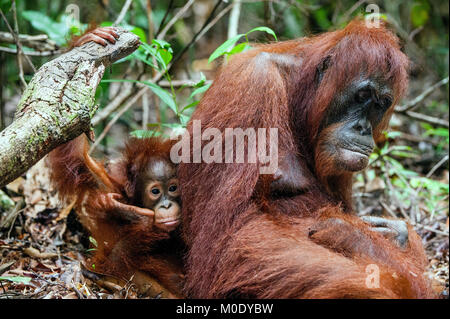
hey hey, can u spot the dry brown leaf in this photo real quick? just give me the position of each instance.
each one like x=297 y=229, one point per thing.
x=36 y=197
x=33 y=252
x=202 y=65
x=16 y=185
x=376 y=184
x=63 y=213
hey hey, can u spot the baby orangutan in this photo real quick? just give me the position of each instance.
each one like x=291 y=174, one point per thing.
x=131 y=208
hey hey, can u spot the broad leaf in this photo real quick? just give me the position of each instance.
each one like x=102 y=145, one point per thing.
x=224 y=47
x=264 y=29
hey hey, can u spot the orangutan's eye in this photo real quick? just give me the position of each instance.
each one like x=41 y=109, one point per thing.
x=363 y=95
x=385 y=102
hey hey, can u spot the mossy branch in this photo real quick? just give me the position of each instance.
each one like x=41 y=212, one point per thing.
x=58 y=104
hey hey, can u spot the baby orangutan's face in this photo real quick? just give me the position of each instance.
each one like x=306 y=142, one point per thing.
x=161 y=194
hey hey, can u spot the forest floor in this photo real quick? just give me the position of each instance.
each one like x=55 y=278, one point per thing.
x=43 y=246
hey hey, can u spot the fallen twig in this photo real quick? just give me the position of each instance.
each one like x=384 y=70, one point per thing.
x=435 y=167
x=427 y=118
x=33 y=252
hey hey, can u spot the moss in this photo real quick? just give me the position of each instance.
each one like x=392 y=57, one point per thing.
x=54 y=117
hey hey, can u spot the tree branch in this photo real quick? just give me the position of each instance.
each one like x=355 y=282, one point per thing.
x=409 y=106
x=58 y=104
x=39 y=42
x=177 y=16
x=31 y=53
x=123 y=12
x=426 y=118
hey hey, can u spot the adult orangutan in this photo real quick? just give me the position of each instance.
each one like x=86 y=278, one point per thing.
x=292 y=234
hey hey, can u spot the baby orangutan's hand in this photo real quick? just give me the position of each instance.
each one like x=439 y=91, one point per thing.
x=111 y=202
x=100 y=35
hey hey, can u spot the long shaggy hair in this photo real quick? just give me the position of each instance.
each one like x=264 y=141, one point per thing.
x=244 y=244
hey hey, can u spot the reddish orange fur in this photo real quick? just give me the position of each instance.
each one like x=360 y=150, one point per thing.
x=123 y=248
x=74 y=39
x=242 y=243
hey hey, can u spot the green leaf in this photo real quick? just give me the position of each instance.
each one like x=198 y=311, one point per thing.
x=200 y=90
x=162 y=44
x=438 y=132
x=264 y=29
x=93 y=241
x=56 y=31
x=419 y=14
x=5 y=5
x=402 y=148
x=193 y=104
x=201 y=82
x=5 y=202
x=404 y=154
x=145 y=133
x=240 y=48
x=107 y=24
x=321 y=17
x=152 y=51
x=140 y=33
x=163 y=95
x=171 y=125
x=184 y=119
x=127 y=58
x=166 y=56
x=141 y=55
x=393 y=134
x=18 y=279
x=224 y=47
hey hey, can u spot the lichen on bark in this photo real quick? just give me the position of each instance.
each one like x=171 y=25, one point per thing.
x=58 y=104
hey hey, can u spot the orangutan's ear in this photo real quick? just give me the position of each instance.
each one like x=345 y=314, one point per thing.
x=322 y=68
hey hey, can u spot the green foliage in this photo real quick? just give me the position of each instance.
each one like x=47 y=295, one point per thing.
x=146 y=133
x=321 y=17
x=409 y=187
x=228 y=48
x=6 y=203
x=17 y=279
x=57 y=31
x=158 y=56
x=5 y=5
x=93 y=242
x=420 y=13
x=159 y=50
x=136 y=30
x=440 y=132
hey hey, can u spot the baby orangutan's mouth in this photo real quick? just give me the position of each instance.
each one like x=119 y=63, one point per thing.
x=168 y=224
